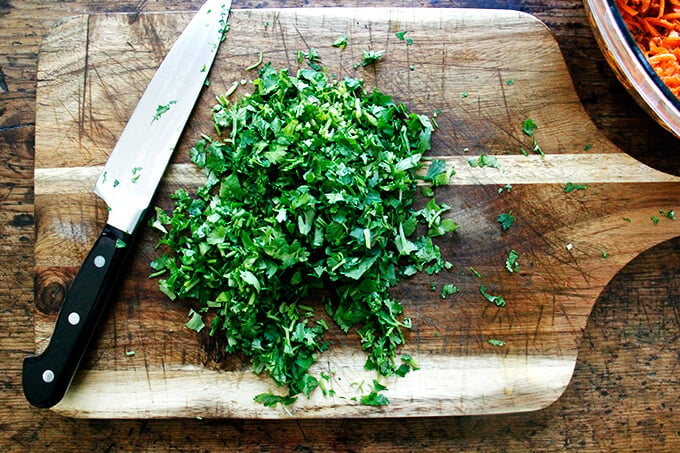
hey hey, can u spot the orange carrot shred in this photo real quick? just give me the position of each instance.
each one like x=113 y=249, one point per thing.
x=655 y=25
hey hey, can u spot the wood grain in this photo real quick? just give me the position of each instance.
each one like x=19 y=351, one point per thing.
x=560 y=236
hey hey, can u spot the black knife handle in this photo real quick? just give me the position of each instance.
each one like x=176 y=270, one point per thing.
x=47 y=377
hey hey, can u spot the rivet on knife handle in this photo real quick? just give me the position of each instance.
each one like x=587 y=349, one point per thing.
x=47 y=377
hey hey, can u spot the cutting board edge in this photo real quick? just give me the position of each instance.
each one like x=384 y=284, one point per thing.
x=163 y=396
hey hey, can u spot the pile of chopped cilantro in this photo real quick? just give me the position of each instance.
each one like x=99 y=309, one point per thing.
x=310 y=195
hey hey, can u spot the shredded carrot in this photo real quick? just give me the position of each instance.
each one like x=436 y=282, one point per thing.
x=655 y=25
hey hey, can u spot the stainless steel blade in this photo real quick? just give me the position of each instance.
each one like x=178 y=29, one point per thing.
x=137 y=162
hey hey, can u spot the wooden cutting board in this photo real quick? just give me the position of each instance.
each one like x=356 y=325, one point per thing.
x=485 y=72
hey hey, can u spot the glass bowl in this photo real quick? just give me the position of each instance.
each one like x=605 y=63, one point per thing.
x=631 y=66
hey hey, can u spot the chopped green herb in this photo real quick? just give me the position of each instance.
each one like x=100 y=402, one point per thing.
x=670 y=214
x=341 y=41
x=195 y=323
x=438 y=174
x=497 y=300
x=587 y=147
x=626 y=219
x=374 y=398
x=655 y=219
x=311 y=183
x=271 y=400
x=464 y=94
x=510 y=82
x=537 y=149
x=257 y=63
x=570 y=187
x=474 y=272
x=312 y=56
x=507 y=188
x=266 y=24
x=408 y=360
x=484 y=161
x=130 y=353
x=136 y=173
x=120 y=244
x=369 y=57
x=528 y=127
x=409 y=41
x=506 y=220
x=511 y=263
x=494 y=342
x=411 y=67
x=400 y=35
x=448 y=290
x=604 y=254
x=162 y=109
x=115 y=183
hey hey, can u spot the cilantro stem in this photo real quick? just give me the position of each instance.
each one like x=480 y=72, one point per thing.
x=257 y=63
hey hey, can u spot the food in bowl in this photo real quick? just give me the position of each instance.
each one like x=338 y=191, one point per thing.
x=629 y=59
x=655 y=26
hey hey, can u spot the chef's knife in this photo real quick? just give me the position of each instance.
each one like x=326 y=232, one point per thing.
x=127 y=184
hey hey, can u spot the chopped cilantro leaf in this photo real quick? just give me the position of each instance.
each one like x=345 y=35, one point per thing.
x=494 y=342
x=341 y=41
x=507 y=188
x=528 y=127
x=400 y=35
x=484 y=161
x=448 y=289
x=570 y=187
x=370 y=56
x=670 y=214
x=506 y=220
x=374 y=399
x=511 y=263
x=162 y=109
x=497 y=300
x=271 y=400
x=196 y=322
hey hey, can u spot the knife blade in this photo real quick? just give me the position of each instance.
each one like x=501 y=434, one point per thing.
x=127 y=184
